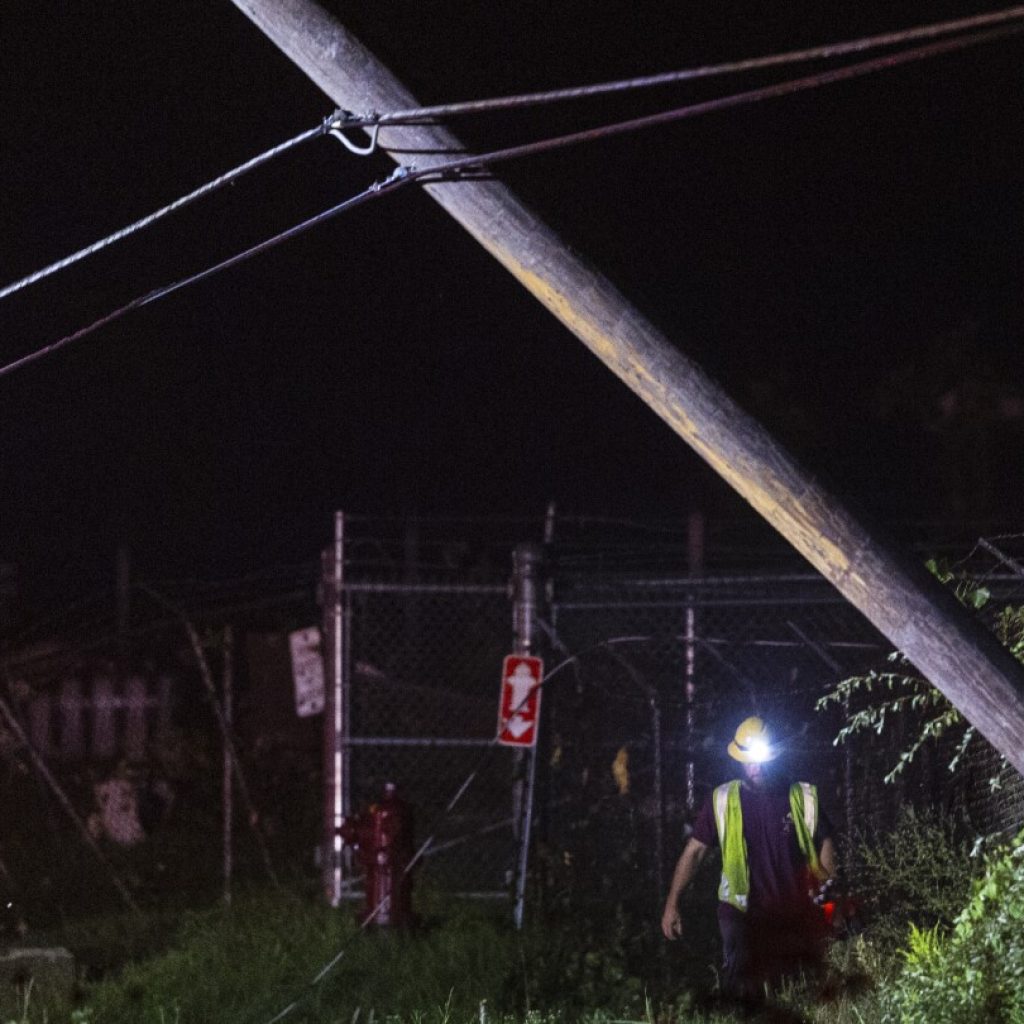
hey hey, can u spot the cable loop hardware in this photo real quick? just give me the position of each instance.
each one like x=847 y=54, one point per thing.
x=401 y=172
x=341 y=119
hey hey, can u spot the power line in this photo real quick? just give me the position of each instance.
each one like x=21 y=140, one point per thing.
x=746 y=98
x=191 y=197
x=826 y=51
x=473 y=164
x=144 y=300
x=335 y=123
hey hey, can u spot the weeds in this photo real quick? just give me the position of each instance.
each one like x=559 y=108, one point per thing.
x=919 y=872
x=245 y=964
x=975 y=970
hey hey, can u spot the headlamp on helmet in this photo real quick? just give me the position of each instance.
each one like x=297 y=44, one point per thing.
x=752 y=743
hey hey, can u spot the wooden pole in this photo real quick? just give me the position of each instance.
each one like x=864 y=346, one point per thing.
x=897 y=594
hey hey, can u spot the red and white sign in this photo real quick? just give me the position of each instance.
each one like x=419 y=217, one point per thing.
x=519 y=709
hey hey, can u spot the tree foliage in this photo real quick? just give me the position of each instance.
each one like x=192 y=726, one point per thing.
x=874 y=699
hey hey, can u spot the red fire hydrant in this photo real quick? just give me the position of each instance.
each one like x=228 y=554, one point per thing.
x=383 y=837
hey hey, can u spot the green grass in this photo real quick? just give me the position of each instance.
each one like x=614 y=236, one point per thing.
x=245 y=964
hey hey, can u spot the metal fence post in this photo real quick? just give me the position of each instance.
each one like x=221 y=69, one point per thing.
x=695 y=560
x=334 y=714
x=526 y=588
x=227 y=790
x=848 y=803
x=658 y=791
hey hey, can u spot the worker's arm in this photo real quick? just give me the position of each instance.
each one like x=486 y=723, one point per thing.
x=827 y=859
x=686 y=867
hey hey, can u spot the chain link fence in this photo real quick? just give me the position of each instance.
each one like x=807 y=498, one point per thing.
x=649 y=668
x=663 y=671
x=647 y=677
x=646 y=680
x=423 y=674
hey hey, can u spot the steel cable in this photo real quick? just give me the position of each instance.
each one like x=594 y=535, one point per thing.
x=334 y=123
x=152 y=218
x=471 y=165
x=827 y=51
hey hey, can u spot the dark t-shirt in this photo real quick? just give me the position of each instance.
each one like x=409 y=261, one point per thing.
x=778 y=870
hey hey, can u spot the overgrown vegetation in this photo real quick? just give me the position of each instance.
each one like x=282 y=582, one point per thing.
x=247 y=963
x=956 y=964
x=878 y=698
x=466 y=965
x=917 y=873
x=975 y=970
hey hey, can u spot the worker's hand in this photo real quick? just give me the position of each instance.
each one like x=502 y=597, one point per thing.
x=671 y=922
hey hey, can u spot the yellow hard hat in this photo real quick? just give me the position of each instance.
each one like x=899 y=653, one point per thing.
x=752 y=743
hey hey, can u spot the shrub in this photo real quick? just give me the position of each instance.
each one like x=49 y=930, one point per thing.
x=975 y=971
x=873 y=700
x=919 y=872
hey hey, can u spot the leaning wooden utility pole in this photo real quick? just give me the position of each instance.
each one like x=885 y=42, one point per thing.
x=917 y=614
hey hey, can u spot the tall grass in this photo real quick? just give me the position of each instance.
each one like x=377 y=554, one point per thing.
x=245 y=964
x=463 y=965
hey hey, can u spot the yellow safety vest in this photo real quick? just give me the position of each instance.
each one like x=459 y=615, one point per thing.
x=734 y=888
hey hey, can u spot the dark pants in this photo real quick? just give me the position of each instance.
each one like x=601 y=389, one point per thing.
x=760 y=949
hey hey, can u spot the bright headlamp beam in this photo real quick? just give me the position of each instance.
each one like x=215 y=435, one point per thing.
x=758 y=751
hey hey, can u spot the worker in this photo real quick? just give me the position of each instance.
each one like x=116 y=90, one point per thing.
x=777 y=851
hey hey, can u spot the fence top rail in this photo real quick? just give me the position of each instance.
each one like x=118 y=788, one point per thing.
x=419 y=741
x=690 y=582
x=701 y=602
x=489 y=589
x=854 y=645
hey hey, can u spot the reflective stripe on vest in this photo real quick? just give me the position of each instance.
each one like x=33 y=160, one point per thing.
x=803 y=803
x=734 y=887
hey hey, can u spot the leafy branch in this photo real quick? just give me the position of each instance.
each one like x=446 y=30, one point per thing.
x=900 y=691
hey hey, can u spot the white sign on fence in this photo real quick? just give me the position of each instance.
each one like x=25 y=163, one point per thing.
x=307 y=671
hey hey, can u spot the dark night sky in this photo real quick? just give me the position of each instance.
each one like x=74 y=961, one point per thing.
x=837 y=259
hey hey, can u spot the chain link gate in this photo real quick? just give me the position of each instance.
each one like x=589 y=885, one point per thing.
x=422 y=676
